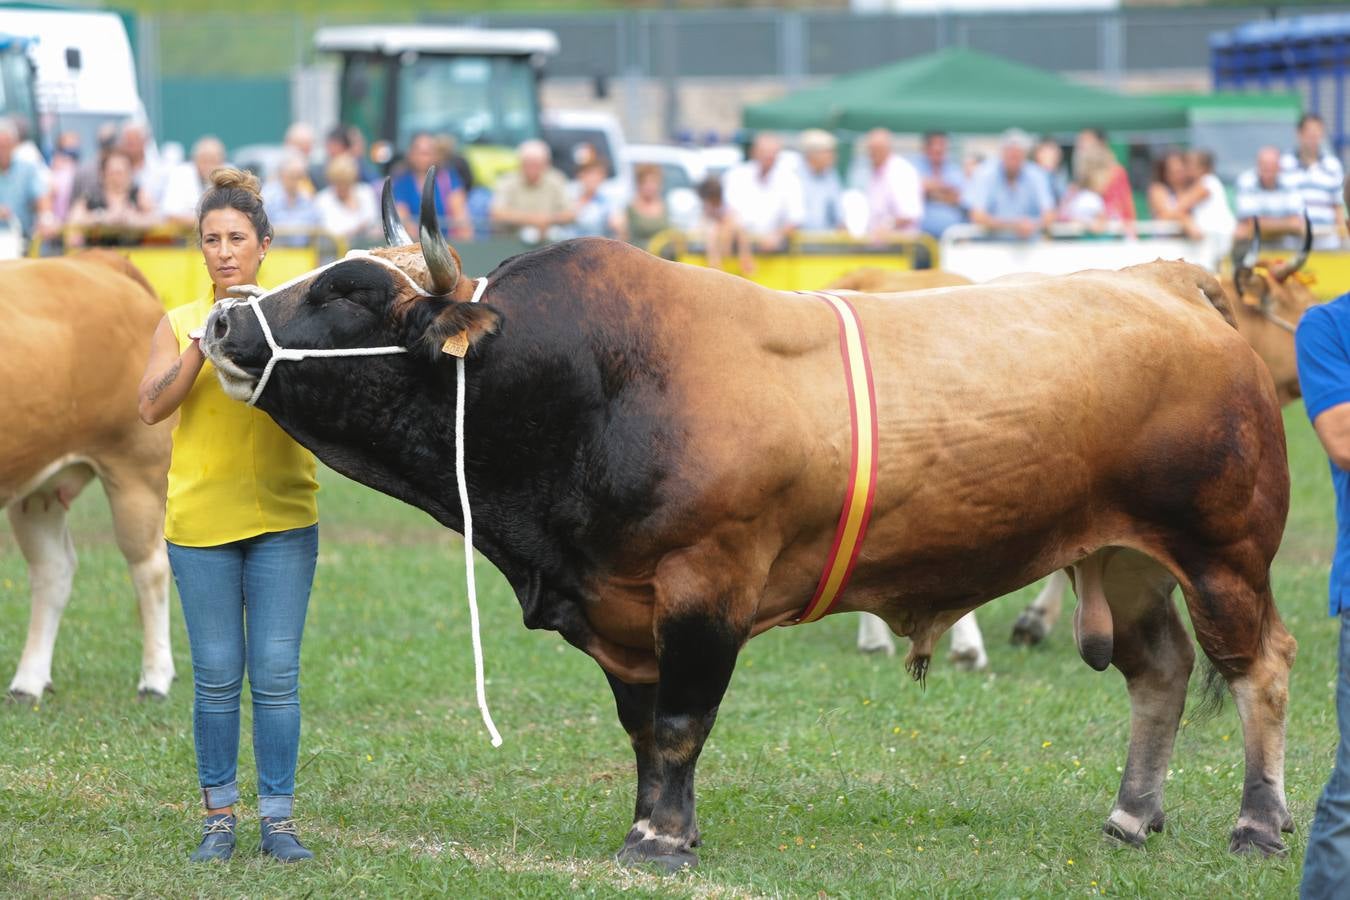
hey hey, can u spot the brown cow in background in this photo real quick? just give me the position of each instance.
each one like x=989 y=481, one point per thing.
x=74 y=336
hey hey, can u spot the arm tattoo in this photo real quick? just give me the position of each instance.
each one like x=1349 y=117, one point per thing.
x=165 y=380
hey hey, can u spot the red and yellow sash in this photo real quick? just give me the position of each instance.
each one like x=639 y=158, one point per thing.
x=862 y=477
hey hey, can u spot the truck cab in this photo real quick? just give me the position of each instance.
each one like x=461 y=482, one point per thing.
x=479 y=85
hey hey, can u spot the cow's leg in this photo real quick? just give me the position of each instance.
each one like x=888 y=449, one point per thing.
x=39 y=522
x=1038 y=620
x=1152 y=650
x=874 y=635
x=138 y=519
x=1240 y=631
x=696 y=652
x=968 y=645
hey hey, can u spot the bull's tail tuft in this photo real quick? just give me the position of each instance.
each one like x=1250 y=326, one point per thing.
x=1212 y=690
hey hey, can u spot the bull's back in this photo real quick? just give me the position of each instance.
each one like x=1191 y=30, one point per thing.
x=74 y=338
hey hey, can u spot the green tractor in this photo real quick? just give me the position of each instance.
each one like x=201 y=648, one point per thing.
x=480 y=85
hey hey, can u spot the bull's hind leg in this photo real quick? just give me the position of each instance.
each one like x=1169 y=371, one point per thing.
x=697 y=652
x=39 y=522
x=1152 y=650
x=1240 y=630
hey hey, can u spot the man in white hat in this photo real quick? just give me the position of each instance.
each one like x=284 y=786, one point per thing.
x=822 y=189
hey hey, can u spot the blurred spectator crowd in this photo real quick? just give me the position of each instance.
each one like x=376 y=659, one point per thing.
x=1027 y=187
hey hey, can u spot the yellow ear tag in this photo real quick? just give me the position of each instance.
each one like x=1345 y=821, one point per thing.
x=456 y=344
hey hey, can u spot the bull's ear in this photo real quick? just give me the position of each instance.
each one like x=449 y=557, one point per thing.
x=458 y=327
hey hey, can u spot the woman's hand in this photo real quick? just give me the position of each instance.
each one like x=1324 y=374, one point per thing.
x=168 y=374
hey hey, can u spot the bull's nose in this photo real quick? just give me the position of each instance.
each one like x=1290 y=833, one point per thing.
x=219 y=326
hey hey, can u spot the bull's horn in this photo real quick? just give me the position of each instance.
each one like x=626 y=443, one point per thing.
x=440 y=263
x=395 y=235
x=1242 y=268
x=1297 y=262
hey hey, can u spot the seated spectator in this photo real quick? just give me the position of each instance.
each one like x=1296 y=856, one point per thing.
x=1009 y=196
x=1262 y=195
x=449 y=157
x=115 y=213
x=647 y=216
x=1172 y=195
x=894 y=194
x=721 y=231
x=1083 y=202
x=1211 y=214
x=299 y=140
x=765 y=197
x=942 y=181
x=1117 y=195
x=451 y=209
x=188 y=179
x=533 y=198
x=1318 y=177
x=64 y=168
x=596 y=214
x=347 y=207
x=23 y=202
x=356 y=141
x=822 y=189
x=291 y=210
x=133 y=141
x=1050 y=158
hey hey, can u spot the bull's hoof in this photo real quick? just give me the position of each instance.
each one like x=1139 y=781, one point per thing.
x=1029 y=629
x=21 y=698
x=151 y=695
x=657 y=853
x=1131 y=831
x=969 y=660
x=1248 y=839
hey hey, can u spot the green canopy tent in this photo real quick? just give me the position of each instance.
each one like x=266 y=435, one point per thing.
x=960 y=91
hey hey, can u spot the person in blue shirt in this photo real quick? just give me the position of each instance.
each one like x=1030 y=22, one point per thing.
x=1010 y=196
x=943 y=181
x=451 y=209
x=1323 y=344
x=22 y=198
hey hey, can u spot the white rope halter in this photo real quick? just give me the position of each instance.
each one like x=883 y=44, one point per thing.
x=255 y=295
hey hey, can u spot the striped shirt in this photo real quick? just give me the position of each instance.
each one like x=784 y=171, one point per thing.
x=1255 y=199
x=1320 y=187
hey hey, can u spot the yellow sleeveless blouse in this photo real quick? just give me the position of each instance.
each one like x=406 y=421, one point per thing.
x=234 y=473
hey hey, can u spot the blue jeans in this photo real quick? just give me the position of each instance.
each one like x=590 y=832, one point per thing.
x=1326 y=866
x=244 y=604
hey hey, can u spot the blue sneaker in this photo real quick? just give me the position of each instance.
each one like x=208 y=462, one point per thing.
x=217 y=839
x=279 y=841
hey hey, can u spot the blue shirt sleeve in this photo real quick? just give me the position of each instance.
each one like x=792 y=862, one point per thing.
x=405 y=191
x=1323 y=361
x=976 y=196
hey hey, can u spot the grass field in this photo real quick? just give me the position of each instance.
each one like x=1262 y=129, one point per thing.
x=828 y=773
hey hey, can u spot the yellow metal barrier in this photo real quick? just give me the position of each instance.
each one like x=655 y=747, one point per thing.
x=811 y=261
x=178 y=272
x=1330 y=270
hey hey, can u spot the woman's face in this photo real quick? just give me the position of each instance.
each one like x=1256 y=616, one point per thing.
x=231 y=248
x=649 y=187
x=1174 y=170
x=116 y=174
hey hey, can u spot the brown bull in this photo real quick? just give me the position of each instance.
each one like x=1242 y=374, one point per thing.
x=657 y=456
x=74 y=334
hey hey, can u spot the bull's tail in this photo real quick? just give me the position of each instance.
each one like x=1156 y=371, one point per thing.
x=1214 y=293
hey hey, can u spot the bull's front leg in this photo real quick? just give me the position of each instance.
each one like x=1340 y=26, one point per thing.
x=696 y=653
x=637 y=705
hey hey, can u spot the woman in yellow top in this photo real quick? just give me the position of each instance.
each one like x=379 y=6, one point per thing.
x=243 y=537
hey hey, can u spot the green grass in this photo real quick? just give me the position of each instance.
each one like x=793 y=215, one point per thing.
x=829 y=773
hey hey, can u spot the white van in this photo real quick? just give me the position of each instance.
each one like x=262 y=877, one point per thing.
x=86 y=74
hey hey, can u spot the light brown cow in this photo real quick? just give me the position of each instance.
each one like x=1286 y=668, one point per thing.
x=656 y=456
x=74 y=335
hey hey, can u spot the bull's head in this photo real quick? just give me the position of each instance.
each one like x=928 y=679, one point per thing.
x=1271 y=289
x=404 y=296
